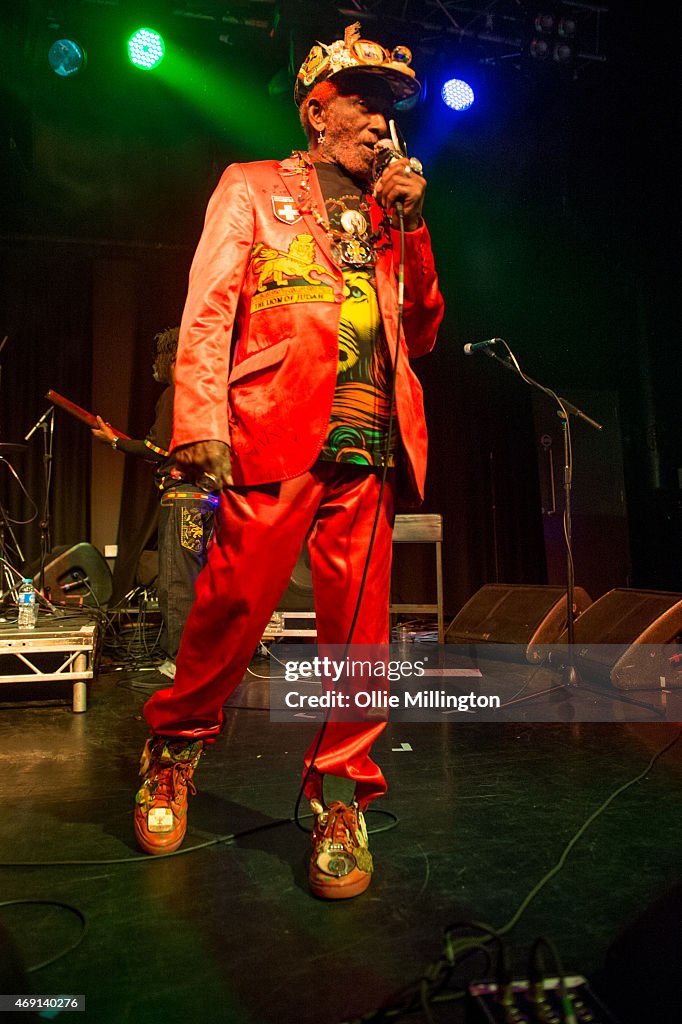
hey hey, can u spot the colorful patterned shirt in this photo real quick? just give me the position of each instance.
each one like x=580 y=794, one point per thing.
x=358 y=427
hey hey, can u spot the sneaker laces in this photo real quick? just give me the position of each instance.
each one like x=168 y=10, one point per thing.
x=340 y=841
x=169 y=781
x=341 y=825
x=164 y=779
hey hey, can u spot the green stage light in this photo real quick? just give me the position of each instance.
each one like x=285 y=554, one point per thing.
x=146 y=48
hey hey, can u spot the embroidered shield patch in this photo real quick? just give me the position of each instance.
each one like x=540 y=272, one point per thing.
x=284 y=209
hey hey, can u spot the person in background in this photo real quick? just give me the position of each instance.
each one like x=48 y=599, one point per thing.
x=186 y=511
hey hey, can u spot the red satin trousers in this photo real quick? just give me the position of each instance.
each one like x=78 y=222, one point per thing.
x=258 y=536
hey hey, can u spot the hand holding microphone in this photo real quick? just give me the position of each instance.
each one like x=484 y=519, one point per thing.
x=399 y=182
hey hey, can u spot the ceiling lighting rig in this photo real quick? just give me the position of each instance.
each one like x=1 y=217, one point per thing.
x=562 y=31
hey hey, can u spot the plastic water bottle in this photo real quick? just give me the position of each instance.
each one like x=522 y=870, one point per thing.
x=28 y=606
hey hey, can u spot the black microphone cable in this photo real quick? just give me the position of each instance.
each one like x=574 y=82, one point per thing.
x=399 y=211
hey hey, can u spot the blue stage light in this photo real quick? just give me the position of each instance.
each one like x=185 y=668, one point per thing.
x=65 y=57
x=457 y=94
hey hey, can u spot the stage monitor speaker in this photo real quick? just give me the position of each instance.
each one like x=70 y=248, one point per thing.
x=614 y=638
x=523 y=615
x=77 y=571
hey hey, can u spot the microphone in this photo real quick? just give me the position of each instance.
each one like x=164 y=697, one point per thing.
x=40 y=422
x=385 y=153
x=78 y=581
x=478 y=346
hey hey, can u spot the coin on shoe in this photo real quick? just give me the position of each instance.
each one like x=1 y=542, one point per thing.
x=161 y=802
x=341 y=864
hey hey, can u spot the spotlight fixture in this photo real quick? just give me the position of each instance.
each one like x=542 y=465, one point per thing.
x=554 y=37
x=563 y=53
x=544 y=23
x=539 y=48
x=66 y=57
x=457 y=94
x=146 y=49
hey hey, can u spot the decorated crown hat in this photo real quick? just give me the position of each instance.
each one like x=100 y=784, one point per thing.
x=352 y=55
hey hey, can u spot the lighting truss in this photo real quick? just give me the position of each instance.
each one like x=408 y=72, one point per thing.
x=500 y=29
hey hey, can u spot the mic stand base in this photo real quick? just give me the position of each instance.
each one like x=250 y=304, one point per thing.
x=570 y=676
x=570 y=680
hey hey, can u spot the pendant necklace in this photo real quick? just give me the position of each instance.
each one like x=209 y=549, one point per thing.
x=353 y=246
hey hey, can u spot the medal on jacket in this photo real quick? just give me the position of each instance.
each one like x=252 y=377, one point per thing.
x=353 y=251
x=350 y=247
x=353 y=222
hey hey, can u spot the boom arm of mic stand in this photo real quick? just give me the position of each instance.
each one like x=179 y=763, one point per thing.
x=568 y=406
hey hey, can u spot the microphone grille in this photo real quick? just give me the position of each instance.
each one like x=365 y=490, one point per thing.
x=384 y=154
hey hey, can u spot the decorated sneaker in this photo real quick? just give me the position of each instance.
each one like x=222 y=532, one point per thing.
x=341 y=864
x=167 y=767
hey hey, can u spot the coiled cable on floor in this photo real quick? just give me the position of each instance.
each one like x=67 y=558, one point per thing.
x=455 y=950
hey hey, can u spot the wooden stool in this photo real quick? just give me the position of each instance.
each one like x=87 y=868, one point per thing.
x=423 y=529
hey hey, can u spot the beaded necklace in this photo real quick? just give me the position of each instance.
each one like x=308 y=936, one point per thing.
x=353 y=246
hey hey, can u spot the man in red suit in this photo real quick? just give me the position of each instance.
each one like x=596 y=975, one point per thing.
x=291 y=337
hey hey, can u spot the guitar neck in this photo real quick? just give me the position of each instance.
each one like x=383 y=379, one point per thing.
x=76 y=411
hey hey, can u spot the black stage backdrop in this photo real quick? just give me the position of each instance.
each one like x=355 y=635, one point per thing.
x=46 y=308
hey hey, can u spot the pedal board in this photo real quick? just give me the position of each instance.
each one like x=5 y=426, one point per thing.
x=523 y=1004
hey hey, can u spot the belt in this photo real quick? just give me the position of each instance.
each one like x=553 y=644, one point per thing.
x=196 y=496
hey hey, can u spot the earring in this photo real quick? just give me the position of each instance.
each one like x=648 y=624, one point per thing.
x=320 y=137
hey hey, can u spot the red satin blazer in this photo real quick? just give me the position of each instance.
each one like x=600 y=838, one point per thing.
x=257 y=357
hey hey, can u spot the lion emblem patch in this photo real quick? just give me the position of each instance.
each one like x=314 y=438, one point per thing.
x=276 y=267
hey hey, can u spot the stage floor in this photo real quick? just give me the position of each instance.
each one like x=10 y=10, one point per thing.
x=229 y=932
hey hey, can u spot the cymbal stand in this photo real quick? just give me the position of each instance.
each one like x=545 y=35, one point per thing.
x=6 y=587
x=2 y=345
x=10 y=578
x=48 y=443
x=10 y=581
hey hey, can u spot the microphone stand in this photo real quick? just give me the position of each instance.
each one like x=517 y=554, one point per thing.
x=8 y=570
x=2 y=345
x=48 y=441
x=7 y=588
x=565 y=408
